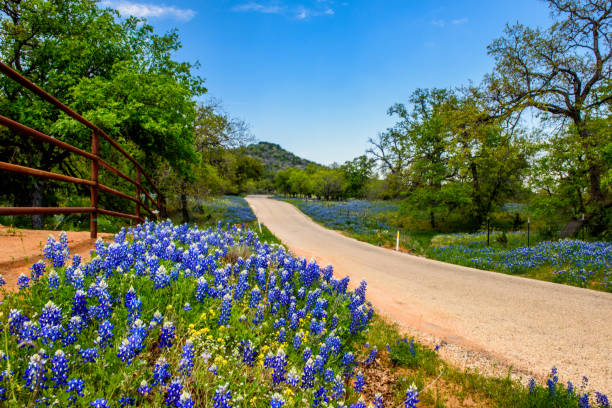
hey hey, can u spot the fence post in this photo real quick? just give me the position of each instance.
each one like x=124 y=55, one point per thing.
x=93 y=216
x=528 y=225
x=138 y=193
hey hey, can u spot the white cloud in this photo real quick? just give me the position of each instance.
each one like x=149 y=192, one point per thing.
x=442 y=23
x=259 y=8
x=299 y=12
x=147 y=10
x=460 y=20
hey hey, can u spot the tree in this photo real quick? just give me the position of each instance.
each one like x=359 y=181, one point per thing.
x=329 y=184
x=357 y=174
x=116 y=71
x=558 y=71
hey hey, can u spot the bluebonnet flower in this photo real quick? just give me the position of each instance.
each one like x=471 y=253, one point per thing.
x=279 y=365
x=56 y=252
x=259 y=315
x=293 y=379
x=359 y=382
x=187 y=307
x=552 y=382
x=348 y=362
x=23 y=281
x=378 y=401
x=358 y=404
x=308 y=375
x=222 y=397
x=532 y=386
x=59 y=368
x=255 y=297
x=166 y=335
x=307 y=354
x=186 y=362
x=53 y=280
x=186 y=401
x=143 y=388
x=89 y=355
x=161 y=372
x=248 y=352
x=583 y=401
x=35 y=373
x=173 y=393
x=226 y=310
x=76 y=260
x=75 y=389
x=131 y=346
x=338 y=389
x=77 y=280
x=371 y=357
x=51 y=315
x=602 y=400
x=297 y=340
x=2 y=281
x=282 y=335
x=156 y=319
x=105 y=334
x=99 y=403
x=277 y=401
x=201 y=289
x=126 y=401
x=79 y=305
x=329 y=374
x=29 y=332
x=37 y=270
x=411 y=398
x=320 y=397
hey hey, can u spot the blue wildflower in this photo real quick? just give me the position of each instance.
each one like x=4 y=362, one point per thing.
x=167 y=335
x=411 y=399
x=222 y=397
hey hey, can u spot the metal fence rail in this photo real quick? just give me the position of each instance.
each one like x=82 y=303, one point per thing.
x=93 y=157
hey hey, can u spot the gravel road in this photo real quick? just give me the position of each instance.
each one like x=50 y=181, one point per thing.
x=528 y=324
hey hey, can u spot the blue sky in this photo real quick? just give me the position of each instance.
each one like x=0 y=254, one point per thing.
x=318 y=76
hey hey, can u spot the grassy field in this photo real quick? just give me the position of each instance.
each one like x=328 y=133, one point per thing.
x=573 y=262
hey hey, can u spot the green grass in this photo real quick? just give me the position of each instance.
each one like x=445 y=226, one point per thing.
x=443 y=384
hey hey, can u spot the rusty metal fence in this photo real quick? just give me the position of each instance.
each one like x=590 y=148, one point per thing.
x=96 y=162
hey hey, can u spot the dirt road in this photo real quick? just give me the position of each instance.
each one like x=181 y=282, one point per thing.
x=531 y=325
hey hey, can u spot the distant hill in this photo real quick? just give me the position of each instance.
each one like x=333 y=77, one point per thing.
x=275 y=157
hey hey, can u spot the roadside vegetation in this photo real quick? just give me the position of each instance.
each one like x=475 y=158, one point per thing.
x=573 y=262
x=218 y=317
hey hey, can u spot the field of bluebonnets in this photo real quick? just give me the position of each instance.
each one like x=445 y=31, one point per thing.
x=574 y=262
x=224 y=209
x=177 y=316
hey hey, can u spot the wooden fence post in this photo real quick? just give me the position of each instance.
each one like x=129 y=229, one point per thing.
x=93 y=216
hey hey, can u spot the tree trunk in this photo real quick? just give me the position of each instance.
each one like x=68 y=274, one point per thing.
x=37 y=198
x=184 y=208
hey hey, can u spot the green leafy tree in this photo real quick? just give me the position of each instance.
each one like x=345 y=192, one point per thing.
x=357 y=174
x=116 y=71
x=558 y=71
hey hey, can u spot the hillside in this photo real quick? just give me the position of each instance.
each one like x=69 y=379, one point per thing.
x=274 y=157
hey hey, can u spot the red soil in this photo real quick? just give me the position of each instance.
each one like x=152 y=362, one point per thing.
x=20 y=248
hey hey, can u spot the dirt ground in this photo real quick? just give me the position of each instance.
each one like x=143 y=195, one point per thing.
x=20 y=248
